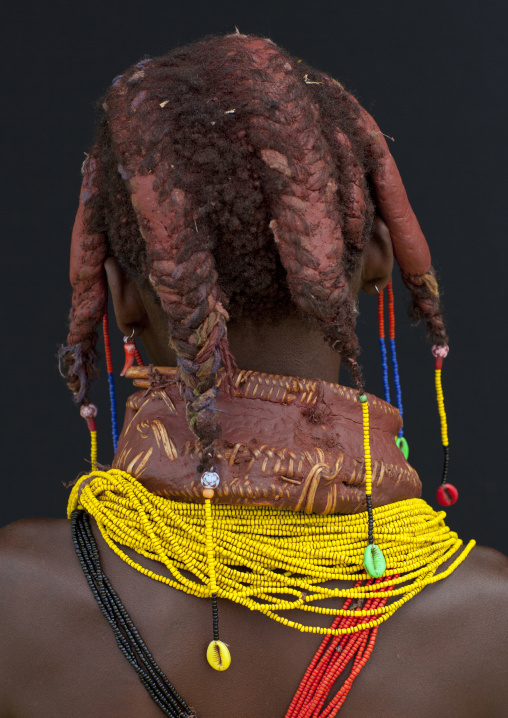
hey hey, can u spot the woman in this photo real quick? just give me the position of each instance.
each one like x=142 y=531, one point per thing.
x=237 y=202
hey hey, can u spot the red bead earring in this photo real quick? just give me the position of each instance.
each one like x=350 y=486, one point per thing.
x=129 y=346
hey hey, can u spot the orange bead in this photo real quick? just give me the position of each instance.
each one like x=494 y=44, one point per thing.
x=208 y=493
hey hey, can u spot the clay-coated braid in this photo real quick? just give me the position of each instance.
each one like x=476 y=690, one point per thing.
x=409 y=244
x=187 y=289
x=306 y=222
x=89 y=296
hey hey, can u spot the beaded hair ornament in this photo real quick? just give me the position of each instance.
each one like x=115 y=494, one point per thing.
x=319 y=239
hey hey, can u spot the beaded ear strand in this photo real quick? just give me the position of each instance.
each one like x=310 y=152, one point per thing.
x=446 y=494
x=111 y=380
x=401 y=440
x=382 y=344
x=89 y=411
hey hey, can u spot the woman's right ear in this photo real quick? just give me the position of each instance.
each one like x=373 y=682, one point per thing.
x=377 y=264
x=129 y=308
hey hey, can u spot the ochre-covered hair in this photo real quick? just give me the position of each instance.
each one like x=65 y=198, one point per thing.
x=230 y=177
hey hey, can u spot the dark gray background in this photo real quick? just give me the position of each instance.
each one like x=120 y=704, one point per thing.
x=434 y=76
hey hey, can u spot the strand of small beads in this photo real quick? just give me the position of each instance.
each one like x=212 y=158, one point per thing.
x=111 y=380
x=128 y=639
x=373 y=559
x=137 y=356
x=382 y=344
x=217 y=654
x=401 y=439
x=446 y=494
x=332 y=658
x=88 y=413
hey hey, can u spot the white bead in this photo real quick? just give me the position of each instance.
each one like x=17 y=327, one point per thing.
x=210 y=479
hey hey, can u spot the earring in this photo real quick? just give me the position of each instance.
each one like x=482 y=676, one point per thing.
x=129 y=346
x=400 y=441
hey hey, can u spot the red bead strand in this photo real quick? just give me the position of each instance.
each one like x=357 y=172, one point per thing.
x=137 y=356
x=332 y=658
x=391 y=311
x=381 y=314
x=107 y=345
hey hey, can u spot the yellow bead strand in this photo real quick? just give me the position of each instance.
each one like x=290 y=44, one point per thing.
x=441 y=407
x=366 y=447
x=93 y=448
x=209 y=545
x=270 y=560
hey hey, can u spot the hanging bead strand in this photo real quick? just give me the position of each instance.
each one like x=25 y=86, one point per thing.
x=446 y=494
x=217 y=654
x=382 y=344
x=401 y=439
x=373 y=560
x=137 y=355
x=111 y=380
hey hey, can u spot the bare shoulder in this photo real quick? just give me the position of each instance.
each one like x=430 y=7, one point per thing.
x=477 y=589
x=36 y=558
x=25 y=544
x=465 y=619
x=38 y=564
x=484 y=574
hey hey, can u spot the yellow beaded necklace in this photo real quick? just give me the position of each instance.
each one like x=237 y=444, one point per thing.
x=258 y=556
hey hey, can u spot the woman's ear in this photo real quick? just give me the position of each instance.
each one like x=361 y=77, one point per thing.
x=377 y=264
x=130 y=311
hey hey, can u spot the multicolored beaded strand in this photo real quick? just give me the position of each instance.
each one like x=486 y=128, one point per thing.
x=131 y=354
x=446 y=494
x=111 y=380
x=382 y=344
x=400 y=440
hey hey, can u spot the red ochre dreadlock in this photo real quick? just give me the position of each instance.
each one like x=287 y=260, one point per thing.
x=230 y=177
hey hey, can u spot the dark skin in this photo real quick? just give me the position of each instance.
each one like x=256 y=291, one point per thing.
x=442 y=654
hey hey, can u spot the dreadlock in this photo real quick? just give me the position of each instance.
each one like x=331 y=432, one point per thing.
x=230 y=177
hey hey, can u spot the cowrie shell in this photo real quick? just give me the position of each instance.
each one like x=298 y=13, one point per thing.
x=218 y=655
x=373 y=560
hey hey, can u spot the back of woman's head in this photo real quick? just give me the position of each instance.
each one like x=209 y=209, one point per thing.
x=233 y=179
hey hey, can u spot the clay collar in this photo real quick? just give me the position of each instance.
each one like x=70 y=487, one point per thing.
x=286 y=442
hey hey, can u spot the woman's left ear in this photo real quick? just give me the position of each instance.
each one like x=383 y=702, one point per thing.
x=130 y=311
x=377 y=264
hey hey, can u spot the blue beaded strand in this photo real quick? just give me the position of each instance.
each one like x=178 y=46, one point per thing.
x=112 y=403
x=111 y=380
x=396 y=381
x=384 y=362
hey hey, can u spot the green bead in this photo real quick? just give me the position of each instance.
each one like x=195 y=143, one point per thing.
x=373 y=561
x=362 y=398
x=403 y=446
